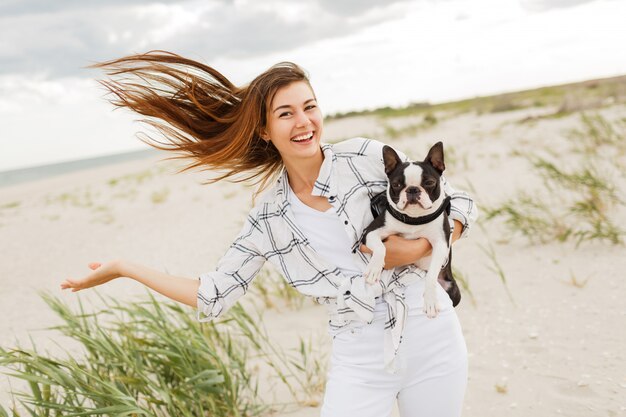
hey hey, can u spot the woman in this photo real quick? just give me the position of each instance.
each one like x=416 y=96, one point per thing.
x=308 y=223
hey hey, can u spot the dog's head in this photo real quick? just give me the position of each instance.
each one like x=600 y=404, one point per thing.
x=414 y=186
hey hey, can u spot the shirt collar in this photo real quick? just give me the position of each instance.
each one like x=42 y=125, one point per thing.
x=323 y=187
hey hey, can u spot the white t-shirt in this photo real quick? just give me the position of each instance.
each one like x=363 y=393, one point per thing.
x=326 y=234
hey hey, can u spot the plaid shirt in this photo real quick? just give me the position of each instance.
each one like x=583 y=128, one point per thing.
x=351 y=174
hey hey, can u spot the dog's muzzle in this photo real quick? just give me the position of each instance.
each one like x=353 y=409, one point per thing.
x=412 y=195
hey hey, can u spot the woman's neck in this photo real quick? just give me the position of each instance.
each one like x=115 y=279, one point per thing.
x=303 y=173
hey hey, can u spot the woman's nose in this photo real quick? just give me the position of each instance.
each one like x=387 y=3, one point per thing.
x=302 y=119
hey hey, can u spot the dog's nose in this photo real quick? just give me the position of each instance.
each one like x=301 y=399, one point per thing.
x=412 y=190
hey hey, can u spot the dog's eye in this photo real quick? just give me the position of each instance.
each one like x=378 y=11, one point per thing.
x=396 y=184
x=430 y=183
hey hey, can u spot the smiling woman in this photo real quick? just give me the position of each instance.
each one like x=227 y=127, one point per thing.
x=308 y=225
x=204 y=117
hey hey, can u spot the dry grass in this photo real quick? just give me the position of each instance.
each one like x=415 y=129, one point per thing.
x=565 y=99
x=576 y=202
x=155 y=359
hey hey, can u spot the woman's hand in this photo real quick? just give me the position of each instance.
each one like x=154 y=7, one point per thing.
x=401 y=251
x=184 y=290
x=102 y=274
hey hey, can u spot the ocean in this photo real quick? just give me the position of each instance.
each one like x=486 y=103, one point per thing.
x=21 y=175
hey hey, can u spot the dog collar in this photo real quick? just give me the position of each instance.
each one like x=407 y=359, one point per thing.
x=423 y=219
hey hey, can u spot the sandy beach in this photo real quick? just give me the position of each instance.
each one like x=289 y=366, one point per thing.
x=548 y=341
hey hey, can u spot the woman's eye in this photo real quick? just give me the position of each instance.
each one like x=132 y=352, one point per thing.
x=287 y=113
x=312 y=106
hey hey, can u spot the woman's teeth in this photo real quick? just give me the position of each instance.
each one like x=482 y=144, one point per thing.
x=302 y=138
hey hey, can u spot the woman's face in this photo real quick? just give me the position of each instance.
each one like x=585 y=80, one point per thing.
x=295 y=123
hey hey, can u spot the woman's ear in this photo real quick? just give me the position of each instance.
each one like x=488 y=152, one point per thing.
x=264 y=135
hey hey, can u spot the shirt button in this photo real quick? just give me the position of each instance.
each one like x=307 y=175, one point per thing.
x=345 y=222
x=331 y=198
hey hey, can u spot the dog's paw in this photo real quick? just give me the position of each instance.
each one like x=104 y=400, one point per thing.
x=372 y=272
x=431 y=306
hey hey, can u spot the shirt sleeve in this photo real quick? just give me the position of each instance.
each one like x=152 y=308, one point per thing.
x=220 y=289
x=462 y=207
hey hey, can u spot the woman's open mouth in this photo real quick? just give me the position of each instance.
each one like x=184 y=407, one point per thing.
x=303 y=138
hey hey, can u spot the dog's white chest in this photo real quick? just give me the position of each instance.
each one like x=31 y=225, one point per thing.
x=432 y=230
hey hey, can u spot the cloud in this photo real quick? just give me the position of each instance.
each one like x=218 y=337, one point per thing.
x=29 y=7
x=541 y=5
x=348 y=8
x=61 y=43
x=59 y=38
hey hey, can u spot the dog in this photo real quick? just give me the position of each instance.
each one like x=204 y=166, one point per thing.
x=416 y=206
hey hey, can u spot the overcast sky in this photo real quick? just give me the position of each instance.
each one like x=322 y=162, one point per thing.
x=360 y=54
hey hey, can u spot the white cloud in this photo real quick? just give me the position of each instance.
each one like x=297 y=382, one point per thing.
x=541 y=5
x=59 y=38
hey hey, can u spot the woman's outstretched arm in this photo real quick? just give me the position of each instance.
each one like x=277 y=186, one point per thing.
x=183 y=290
x=212 y=293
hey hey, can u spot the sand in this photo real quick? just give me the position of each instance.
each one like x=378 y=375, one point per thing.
x=550 y=342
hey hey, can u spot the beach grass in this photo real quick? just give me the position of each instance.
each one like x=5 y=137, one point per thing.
x=78 y=198
x=495 y=266
x=274 y=291
x=596 y=132
x=135 y=178
x=160 y=196
x=151 y=358
x=577 y=199
x=102 y=214
x=566 y=99
x=428 y=120
x=302 y=370
x=578 y=207
x=11 y=205
x=575 y=281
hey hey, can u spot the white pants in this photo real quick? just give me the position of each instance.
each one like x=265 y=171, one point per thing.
x=432 y=375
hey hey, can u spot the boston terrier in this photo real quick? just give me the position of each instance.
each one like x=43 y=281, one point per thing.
x=416 y=206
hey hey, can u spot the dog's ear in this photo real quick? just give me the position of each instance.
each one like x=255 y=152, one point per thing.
x=435 y=157
x=391 y=159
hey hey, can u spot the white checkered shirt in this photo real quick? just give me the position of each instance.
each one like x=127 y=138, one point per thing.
x=351 y=174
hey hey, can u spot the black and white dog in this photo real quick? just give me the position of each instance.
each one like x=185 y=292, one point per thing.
x=416 y=207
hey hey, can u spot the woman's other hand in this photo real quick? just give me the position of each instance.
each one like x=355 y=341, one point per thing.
x=102 y=273
x=401 y=251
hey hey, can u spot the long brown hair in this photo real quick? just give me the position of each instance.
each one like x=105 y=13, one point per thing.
x=201 y=114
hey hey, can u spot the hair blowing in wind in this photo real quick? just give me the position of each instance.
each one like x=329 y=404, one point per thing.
x=201 y=115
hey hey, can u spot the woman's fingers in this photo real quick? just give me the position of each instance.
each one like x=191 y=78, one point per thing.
x=70 y=283
x=77 y=284
x=66 y=284
x=101 y=273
